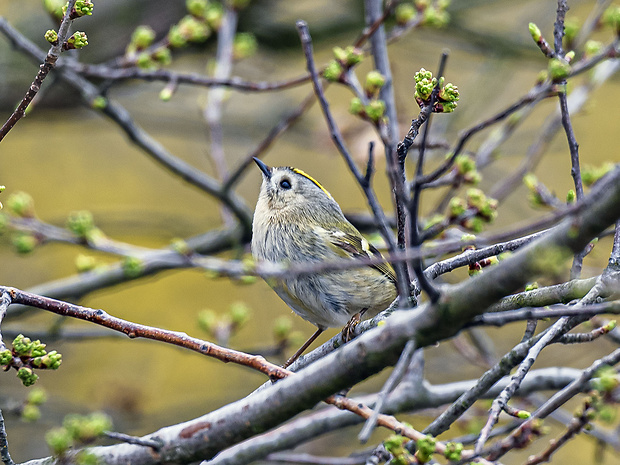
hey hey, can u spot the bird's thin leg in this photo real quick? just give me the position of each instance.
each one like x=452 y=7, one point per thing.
x=303 y=348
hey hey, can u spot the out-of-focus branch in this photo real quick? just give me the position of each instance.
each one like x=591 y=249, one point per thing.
x=194 y=79
x=91 y=97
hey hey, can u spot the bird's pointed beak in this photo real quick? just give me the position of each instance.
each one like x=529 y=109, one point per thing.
x=263 y=167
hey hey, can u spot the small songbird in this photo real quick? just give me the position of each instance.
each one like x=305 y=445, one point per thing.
x=297 y=221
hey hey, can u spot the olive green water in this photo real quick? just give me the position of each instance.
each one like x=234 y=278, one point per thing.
x=73 y=159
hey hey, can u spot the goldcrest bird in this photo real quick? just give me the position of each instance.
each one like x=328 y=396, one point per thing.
x=297 y=221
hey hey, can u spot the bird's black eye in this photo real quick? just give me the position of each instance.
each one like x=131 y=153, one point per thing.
x=285 y=184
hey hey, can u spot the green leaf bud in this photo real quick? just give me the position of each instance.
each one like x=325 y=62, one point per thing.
x=375 y=110
x=435 y=17
x=180 y=246
x=214 y=15
x=24 y=243
x=474 y=224
x=592 y=47
x=449 y=93
x=165 y=94
x=456 y=207
x=244 y=45
x=531 y=286
x=535 y=32
x=58 y=440
x=445 y=107
x=559 y=69
x=163 y=56
x=476 y=198
x=239 y=313
x=54 y=7
x=6 y=357
x=404 y=13
x=27 y=376
x=570 y=56
x=472 y=177
x=590 y=174
x=523 y=414
x=207 y=320
x=51 y=36
x=99 y=102
x=611 y=18
x=607 y=414
x=85 y=263
x=247 y=279
x=86 y=428
x=340 y=54
x=571 y=196
x=282 y=327
x=530 y=181
x=21 y=204
x=425 y=448
x=37 y=396
x=453 y=451
x=356 y=107
x=85 y=457
x=38 y=349
x=606 y=379
x=492 y=261
x=349 y=56
x=464 y=163
x=144 y=61
x=80 y=223
x=30 y=413
x=176 y=37
x=333 y=71
x=424 y=84
x=77 y=40
x=434 y=220
x=22 y=345
x=197 y=8
x=133 y=267
x=571 y=29
x=194 y=30
x=468 y=238
x=81 y=8
x=142 y=37
x=374 y=82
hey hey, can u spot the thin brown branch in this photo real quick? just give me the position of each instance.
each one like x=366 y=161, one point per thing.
x=44 y=69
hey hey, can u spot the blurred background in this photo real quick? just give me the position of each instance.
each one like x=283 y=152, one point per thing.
x=69 y=158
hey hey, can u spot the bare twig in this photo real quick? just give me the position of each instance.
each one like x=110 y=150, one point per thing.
x=556 y=401
x=501 y=401
x=388 y=387
x=48 y=63
x=554 y=311
x=195 y=79
x=155 y=445
x=402 y=282
x=135 y=330
x=4 y=444
x=414 y=204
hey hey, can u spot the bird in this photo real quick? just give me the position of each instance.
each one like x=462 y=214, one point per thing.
x=297 y=221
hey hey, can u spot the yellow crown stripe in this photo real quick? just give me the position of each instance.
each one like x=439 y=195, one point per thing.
x=307 y=176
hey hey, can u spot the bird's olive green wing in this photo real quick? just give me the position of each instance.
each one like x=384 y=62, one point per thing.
x=355 y=245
